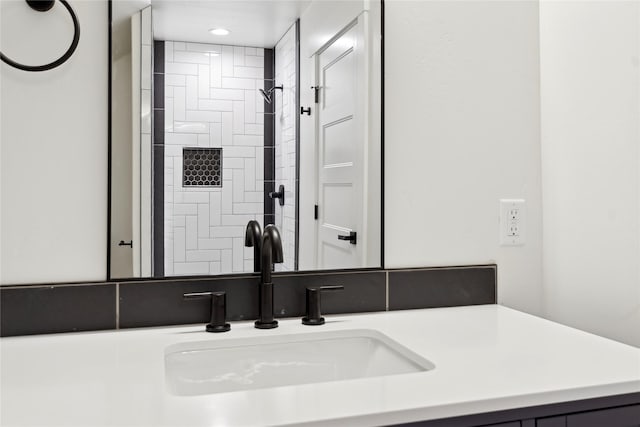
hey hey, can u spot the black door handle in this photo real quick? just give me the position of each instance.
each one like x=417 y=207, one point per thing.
x=352 y=237
x=123 y=243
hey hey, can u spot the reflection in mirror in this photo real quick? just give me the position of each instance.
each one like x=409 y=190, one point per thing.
x=226 y=112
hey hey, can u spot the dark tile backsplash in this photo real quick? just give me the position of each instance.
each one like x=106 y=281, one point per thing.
x=441 y=287
x=41 y=309
x=50 y=309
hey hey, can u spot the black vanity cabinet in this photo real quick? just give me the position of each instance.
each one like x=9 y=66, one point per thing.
x=610 y=411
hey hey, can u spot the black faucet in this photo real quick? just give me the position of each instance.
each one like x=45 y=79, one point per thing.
x=253 y=238
x=271 y=253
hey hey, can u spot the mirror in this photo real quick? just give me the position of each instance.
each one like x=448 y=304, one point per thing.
x=225 y=112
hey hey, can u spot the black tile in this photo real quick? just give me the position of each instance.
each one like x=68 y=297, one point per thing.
x=363 y=292
x=50 y=309
x=269 y=64
x=161 y=303
x=269 y=164
x=269 y=219
x=158 y=56
x=269 y=130
x=269 y=205
x=158 y=127
x=144 y=304
x=158 y=211
x=442 y=287
x=158 y=91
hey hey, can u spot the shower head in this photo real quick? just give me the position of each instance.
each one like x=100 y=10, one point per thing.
x=267 y=95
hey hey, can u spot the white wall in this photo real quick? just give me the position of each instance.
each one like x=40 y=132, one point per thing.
x=461 y=132
x=54 y=146
x=591 y=165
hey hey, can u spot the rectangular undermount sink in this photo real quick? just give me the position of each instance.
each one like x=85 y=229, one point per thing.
x=217 y=366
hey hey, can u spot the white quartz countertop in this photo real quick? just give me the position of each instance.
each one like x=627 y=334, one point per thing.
x=487 y=358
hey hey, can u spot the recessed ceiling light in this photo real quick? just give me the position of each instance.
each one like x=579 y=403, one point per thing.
x=219 y=31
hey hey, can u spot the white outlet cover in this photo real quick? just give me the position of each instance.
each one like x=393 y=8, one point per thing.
x=507 y=221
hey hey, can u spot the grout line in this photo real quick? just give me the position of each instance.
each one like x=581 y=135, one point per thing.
x=386 y=288
x=117 y=306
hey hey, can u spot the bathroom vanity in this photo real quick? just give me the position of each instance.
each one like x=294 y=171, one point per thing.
x=477 y=365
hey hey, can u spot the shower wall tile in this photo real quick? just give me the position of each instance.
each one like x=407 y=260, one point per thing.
x=210 y=101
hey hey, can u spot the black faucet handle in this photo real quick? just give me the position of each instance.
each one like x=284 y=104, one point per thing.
x=218 y=309
x=314 y=316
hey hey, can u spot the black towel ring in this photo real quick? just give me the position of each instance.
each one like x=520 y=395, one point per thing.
x=43 y=6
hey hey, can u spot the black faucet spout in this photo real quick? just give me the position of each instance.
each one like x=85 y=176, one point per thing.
x=253 y=238
x=271 y=253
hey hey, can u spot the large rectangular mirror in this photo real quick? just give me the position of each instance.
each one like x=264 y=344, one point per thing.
x=224 y=112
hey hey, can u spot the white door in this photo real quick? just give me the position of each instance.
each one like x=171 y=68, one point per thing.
x=341 y=152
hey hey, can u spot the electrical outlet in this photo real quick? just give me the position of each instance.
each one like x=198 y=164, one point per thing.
x=512 y=222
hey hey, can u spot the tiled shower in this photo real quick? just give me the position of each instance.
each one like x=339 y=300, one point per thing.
x=214 y=123
x=221 y=151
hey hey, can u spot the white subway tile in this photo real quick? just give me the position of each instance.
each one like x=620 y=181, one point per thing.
x=232 y=162
x=215 y=134
x=248 y=208
x=190 y=127
x=250 y=51
x=203 y=81
x=214 y=268
x=203 y=219
x=253 y=128
x=203 y=116
x=215 y=243
x=227 y=261
x=216 y=72
x=238 y=186
x=179 y=244
x=254 y=61
x=185 y=209
x=190 y=268
x=181 y=68
x=203 y=140
x=237 y=219
x=238 y=55
x=179 y=221
x=227 y=198
x=260 y=52
x=249 y=175
x=238 y=255
x=248 y=72
x=191 y=57
x=179 y=46
x=254 y=196
x=227 y=94
x=227 y=129
x=238 y=117
x=191 y=92
x=230 y=231
x=179 y=103
x=227 y=62
x=191 y=228
x=168 y=51
x=248 y=140
x=216 y=105
x=237 y=83
x=184 y=139
x=250 y=105
x=215 y=209
x=208 y=255
x=202 y=47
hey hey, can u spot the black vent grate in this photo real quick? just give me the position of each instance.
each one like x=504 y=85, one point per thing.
x=202 y=167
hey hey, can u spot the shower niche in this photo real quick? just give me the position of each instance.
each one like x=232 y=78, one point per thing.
x=218 y=138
